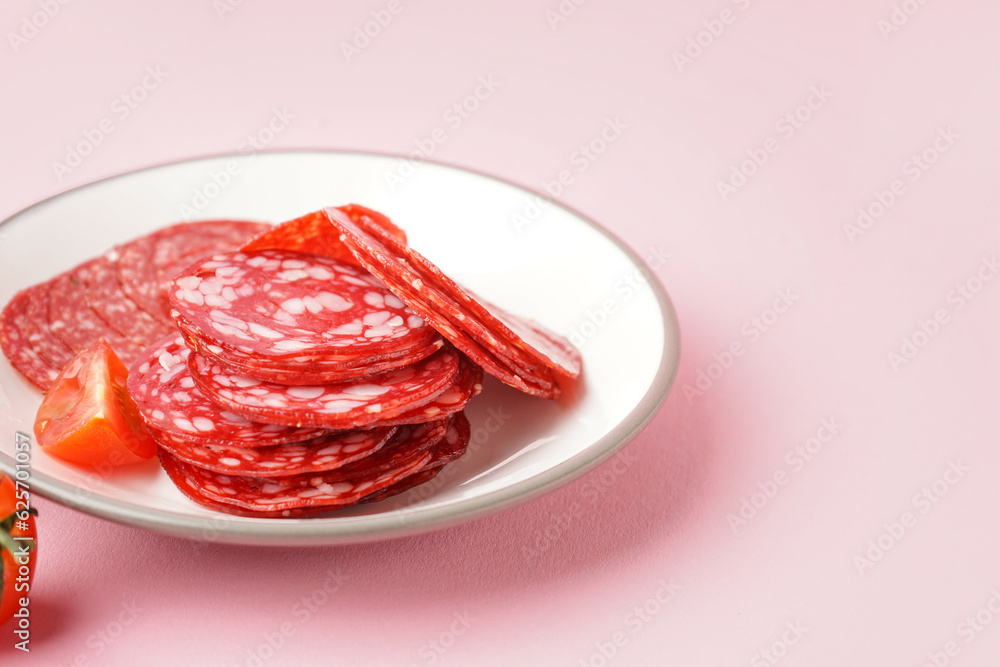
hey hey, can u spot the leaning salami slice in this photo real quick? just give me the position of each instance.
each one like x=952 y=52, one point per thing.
x=146 y=264
x=320 y=454
x=553 y=350
x=22 y=341
x=450 y=448
x=407 y=453
x=349 y=404
x=170 y=401
x=274 y=304
x=448 y=307
x=313 y=233
x=489 y=320
x=517 y=372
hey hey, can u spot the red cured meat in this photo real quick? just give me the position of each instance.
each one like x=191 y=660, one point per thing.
x=326 y=452
x=450 y=448
x=313 y=233
x=107 y=298
x=543 y=346
x=302 y=361
x=309 y=372
x=450 y=309
x=170 y=401
x=37 y=328
x=467 y=386
x=349 y=404
x=23 y=338
x=76 y=324
x=147 y=264
x=407 y=453
x=277 y=304
x=555 y=351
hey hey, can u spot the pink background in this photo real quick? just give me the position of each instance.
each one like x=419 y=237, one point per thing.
x=645 y=552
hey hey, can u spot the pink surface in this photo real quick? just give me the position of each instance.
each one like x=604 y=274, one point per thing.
x=646 y=560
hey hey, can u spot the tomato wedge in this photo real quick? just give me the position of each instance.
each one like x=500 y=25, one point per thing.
x=16 y=523
x=87 y=416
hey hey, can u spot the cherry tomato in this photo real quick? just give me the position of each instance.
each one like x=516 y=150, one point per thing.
x=17 y=557
x=87 y=416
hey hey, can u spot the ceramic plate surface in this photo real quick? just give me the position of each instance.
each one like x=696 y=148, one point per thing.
x=524 y=253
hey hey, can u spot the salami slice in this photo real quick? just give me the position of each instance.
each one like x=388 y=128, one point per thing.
x=36 y=328
x=349 y=404
x=22 y=338
x=422 y=476
x=305 y=373
x=147 y=264
x=320 y=454
x=303 y=369
x=274 y=304
x=313 y=233
x=170 y=401
x=107 y=298
x=553 y=350
x=450 y=448
x=448 y=308
x=488 y=320
x=76 y=324
x=406 y=454
x=301 y=361
x=468 y=384
x=527 y=377
x=70 y=318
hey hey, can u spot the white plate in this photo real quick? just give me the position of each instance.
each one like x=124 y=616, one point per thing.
x=561 y=269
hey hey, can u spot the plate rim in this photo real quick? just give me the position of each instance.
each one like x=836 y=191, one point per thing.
x=378 y=527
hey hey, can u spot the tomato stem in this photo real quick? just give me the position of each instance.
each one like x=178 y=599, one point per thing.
x=7 y=542
x=8 y=522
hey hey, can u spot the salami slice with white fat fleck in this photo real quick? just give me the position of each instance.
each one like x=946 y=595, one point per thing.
x=76 y=324
x=147 y=264
x=349 y=404
x=450 y=448
x=326 y=452
x=313 y=373
x=277 y=304
x=422 y=476
x=35 y=325
x=468 y=384
x=407 y=453
x=170 y=401
x=501 y=330
x=312 y=233
x=553 y=350
x=302 y=370
x=453 y=311
x=26 y=340
x=107 y=298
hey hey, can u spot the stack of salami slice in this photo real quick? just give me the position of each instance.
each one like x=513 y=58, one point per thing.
x=319 y=364
x=299 y=384
x=120 y=296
